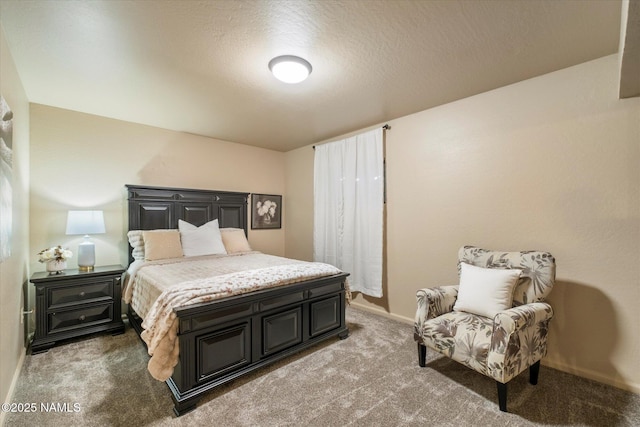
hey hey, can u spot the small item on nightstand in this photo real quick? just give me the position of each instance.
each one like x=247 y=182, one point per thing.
x=86 y=222
x=55 y=258
x=56 y=267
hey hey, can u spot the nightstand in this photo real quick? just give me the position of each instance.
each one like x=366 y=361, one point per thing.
x=76 y=303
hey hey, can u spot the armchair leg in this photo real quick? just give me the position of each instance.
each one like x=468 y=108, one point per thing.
x=422 y=355
x=502 y=396
x=534 y=370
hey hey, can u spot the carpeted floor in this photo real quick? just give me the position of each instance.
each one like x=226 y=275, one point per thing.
x=370 y=379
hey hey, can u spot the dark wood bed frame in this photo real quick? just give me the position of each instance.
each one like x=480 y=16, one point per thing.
x=227 y=338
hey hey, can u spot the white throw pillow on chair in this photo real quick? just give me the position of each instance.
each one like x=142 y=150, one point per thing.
x=485 y=291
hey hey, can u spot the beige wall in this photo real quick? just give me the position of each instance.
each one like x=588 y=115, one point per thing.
x=299 y=201
x=552 y=163
x=84 y=161
x=14 y=271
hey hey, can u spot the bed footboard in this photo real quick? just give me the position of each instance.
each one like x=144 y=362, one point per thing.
x=225 y=339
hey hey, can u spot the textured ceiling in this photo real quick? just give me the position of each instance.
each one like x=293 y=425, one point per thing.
x=201 y=66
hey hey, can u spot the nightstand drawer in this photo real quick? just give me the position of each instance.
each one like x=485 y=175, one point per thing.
x=76 y=303
x=63 y=296
x=72 y=319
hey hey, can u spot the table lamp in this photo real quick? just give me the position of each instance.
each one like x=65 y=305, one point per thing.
x=86 y=222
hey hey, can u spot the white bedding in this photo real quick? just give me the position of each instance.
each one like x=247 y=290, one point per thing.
x=146 y=280
x=155 y=288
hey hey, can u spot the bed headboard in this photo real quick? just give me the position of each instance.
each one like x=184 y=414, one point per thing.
x=152 y=208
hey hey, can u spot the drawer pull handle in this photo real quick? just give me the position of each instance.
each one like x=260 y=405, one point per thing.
x=81 y=318
x=82 y=294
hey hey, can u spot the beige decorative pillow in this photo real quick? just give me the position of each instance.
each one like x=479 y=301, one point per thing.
x=162 y=244
x=234 y=240
x=485 y=291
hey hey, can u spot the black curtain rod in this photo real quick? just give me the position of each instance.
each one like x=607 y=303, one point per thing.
x=385 y=127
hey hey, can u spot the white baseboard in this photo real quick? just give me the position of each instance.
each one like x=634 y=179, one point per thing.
x=634 y=388
x=380 y=312
x=14 y=381
x=585 y=373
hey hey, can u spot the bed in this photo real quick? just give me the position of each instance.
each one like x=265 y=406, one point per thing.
x=223 y=339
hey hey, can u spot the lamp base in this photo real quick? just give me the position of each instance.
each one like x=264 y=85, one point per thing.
x=86 y=255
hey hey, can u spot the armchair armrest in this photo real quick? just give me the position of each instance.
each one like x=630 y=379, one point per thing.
x=433 y=302
x=517 y=318
x=519 y=339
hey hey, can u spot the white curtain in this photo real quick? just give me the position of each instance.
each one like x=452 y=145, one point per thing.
x=348 y=208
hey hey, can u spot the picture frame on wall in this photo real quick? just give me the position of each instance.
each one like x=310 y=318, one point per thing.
x=266 y=211
x=6 y=178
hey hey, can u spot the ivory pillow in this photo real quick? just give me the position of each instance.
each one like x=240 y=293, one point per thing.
x=203 y=240
x=485 y=291
x=137 y=244
x=235 y=240
x=161 y=244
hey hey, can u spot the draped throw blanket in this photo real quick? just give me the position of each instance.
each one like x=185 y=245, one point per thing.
x=348 y=208
x=161 y=324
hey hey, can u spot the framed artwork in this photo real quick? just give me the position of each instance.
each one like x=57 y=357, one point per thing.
x=6 y=176
x=266 y=211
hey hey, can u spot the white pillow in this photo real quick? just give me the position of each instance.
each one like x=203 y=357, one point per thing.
x=137 y=244
x=203 y=240
x=485 y=291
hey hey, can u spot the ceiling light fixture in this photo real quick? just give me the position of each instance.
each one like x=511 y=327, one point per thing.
x=289 y=68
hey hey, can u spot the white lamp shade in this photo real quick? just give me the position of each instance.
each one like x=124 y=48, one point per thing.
x=85 y=222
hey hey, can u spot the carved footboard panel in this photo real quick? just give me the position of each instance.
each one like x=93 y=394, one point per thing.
x=223 y=340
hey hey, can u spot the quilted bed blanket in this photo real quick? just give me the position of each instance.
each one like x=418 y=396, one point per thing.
x=160 y=321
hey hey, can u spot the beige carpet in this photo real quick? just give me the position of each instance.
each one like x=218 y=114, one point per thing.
x=370 y=379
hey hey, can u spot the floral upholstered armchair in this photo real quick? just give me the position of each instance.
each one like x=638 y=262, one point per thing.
x=495 y=321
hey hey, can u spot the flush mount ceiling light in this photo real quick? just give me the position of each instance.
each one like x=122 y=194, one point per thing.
x=289 y=68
